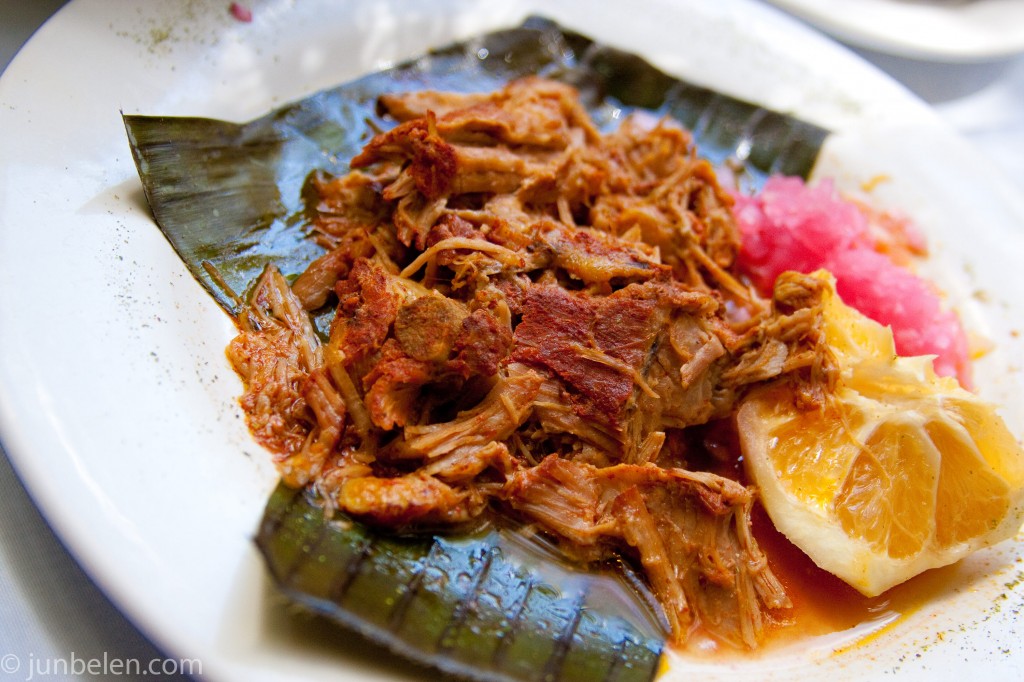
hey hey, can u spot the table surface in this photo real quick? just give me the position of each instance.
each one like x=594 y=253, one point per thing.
x=52 y=615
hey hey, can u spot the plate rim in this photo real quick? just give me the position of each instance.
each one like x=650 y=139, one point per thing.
x=845 y=21
x=18 y=448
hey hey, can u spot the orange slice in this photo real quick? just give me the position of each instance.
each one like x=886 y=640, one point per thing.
x=900 y=471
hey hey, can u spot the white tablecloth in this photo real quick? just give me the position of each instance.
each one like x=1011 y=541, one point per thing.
x=50 y=612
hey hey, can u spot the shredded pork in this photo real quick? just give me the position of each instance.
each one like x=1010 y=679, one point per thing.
x=528 y=314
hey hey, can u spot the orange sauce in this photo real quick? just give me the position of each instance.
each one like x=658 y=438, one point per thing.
x=823 y=604
x=821 y=601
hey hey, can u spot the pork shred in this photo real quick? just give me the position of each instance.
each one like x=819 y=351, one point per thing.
x=529 y=316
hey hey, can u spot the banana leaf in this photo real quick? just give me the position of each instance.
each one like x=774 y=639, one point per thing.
x=485 y=605
x=228 y=196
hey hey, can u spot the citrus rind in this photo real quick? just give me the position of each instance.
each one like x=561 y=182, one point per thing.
x=900 y=471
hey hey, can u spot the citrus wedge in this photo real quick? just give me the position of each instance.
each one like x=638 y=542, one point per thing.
x=897 y=472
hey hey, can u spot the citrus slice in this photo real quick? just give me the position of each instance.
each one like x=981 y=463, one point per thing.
x=897 y=472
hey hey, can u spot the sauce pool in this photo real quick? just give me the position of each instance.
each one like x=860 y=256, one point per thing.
x=823 y=605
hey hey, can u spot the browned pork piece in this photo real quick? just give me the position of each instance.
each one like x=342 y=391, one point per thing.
x=528 y=315
x=689 y=530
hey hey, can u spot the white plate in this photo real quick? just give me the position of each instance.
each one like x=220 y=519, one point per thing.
x=940 y=30
x=117 y=405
